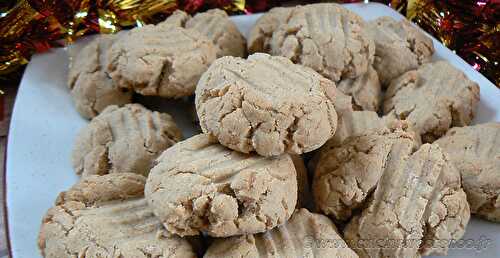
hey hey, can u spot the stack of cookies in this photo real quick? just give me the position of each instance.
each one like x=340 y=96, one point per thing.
x=362 y=102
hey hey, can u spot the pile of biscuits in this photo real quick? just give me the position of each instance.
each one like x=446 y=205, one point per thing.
x=396 y=168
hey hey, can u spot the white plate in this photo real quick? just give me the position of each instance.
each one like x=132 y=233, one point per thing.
x=44 y=124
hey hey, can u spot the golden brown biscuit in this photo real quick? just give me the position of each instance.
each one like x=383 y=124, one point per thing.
x=164 y=61
x=306 y=234
x=421 y=200
x=475 y=151
x=365 y=90
x=432 y=99
x=91 y=87
x=199 y=186
x=400 y=191
x=357 y=123
x=259 y=39
x=123 y=140
x=326 y=37
x=354 y=123
x=107 y=216
x=215 y=25
x=266 y=104
x=399 y=47
x=346 y=174
x=304 y=197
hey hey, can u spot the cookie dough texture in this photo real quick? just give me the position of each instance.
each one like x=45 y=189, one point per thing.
x=215 y=25
x=266 y=104
x=325 y=37
x=107 y=216
x=355 y=123
x=365 y=90
x=304 y=197
x=399 y=47
x=403 y=194
x=301 y=236
x=121 y=140
x=91 y=87
x=346 y=174
x=199 y=186
x=164 y=61
x=432 y=99
x=177 y=18
x=475 y=152
x=259 y=39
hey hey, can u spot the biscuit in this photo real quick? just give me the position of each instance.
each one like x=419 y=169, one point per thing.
x=91 y=88
x=266 y=104
x=345 y=175
x=402 y=192
x=355 y=123
x=125 y=139
x=432 y=99
x=327 y=38
x=215 y=25
x=420 y=200
x=343 y=103
x=365 y=90
x=304 y=197
x=200 y=186
x=475 y=152
x=164 y=61
x=107 y=216
x=399 y=47
x=177 y=18
x=259 y=38
x=304 y=235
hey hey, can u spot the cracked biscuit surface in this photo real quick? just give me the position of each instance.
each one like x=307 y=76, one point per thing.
x=399 y=47
x=349 y=123
x=365 y=90
x=346 y=174
x=259 y=39
x=398 y=191
x=92 y=90
x=107 y=216
x=200 y=186
x=304 y=197
x=421 y=199
x=353 y=123
x=215 y=25
x=266 y=104
x=306 y=234
x=161 y=60
x=475 y=151
x=356 y=123
x=327 y=38
x=125 y=139
x=432 y=99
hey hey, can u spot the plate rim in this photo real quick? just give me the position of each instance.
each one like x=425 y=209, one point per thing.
x=4 y=192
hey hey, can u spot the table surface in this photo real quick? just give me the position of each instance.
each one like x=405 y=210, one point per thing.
x=7 y=103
